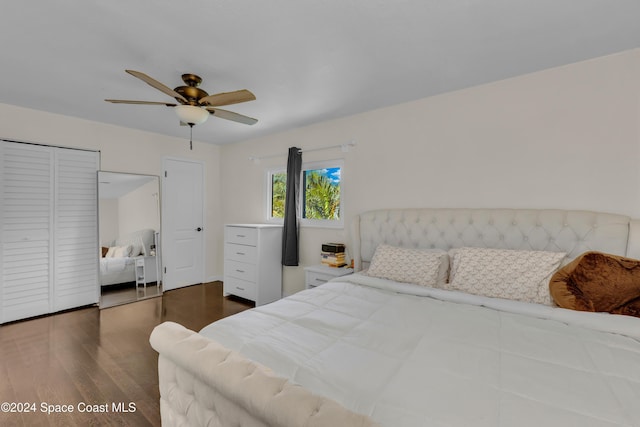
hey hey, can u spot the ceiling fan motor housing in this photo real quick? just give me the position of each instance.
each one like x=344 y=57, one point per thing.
x=191 y=94
x=191 y=91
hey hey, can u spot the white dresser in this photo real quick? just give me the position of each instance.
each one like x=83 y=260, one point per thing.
x=252 y=262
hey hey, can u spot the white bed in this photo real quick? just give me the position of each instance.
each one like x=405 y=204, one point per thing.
x=119 y=270
x=398 y=354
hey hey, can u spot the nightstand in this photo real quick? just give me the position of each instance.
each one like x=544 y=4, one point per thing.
x=316 y=275
x=146 y=270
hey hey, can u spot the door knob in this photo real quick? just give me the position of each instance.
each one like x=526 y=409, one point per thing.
x=199 y=229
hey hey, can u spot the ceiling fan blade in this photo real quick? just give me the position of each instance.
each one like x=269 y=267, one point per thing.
x=125 y=101
x=230 y=115
x=156 y=84
x=228 y=98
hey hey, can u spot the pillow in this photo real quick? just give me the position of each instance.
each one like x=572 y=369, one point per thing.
x=104 y=251
x=119 y=252
x=503 y=273
x=596 y=281
x=425 y=267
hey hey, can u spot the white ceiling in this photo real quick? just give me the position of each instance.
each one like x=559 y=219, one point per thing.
x=306 y=61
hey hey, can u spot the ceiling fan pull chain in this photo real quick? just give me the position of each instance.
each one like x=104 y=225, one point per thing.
x=190 y=136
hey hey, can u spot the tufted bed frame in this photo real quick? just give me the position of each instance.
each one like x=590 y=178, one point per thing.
x=204 y=383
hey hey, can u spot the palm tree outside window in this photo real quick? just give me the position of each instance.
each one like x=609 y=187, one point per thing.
x=321 y=199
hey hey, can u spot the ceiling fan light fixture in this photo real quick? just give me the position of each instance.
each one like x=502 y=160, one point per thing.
x=191 y=114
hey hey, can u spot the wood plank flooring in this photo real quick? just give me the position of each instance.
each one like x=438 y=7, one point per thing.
x=97 y=357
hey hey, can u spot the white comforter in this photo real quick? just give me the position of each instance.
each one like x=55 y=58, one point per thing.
x=117 y=270
x=443 y=359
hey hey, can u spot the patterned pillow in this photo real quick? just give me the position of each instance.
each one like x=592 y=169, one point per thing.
x=501 y=273
x=425 y=267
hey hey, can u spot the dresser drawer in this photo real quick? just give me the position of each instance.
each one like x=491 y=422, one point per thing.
x=318 y=274
x=240 y=270
x=241 y=253
x=317 y=279
x=241 y=288
x=241 y=235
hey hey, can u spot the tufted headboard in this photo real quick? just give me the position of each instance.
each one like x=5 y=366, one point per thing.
x=570 y=231
x=141 y=238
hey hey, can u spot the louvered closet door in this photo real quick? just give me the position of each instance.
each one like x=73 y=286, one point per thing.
x=75 y=229
x=26 y=259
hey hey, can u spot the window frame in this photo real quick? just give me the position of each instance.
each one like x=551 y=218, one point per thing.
x=306 y=222
x=269 y=195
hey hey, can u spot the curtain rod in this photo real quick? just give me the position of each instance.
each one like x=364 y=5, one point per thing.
x=344 y=147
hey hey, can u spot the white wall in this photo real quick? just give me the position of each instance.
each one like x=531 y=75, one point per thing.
x=567 y=137
x=109 y=224
x=140 y=209
x=123 y=150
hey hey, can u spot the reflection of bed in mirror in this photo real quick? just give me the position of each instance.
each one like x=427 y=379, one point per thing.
x=118 y=261
x=129 y=217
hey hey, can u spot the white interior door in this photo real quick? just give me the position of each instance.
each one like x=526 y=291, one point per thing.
x=48 y=229
x=75 y=229
x=26 y=222
x=182 y=223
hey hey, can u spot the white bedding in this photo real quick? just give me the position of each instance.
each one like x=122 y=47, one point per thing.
x=414 y=356
x=117 y=270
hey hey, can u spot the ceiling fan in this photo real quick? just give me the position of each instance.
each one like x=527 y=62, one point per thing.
x=194 y=104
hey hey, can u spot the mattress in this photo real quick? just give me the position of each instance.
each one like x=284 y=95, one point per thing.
x=413 y=356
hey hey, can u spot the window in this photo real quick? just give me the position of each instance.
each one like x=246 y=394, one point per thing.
x=278 y=190
x=320 y=194
x=321 y=198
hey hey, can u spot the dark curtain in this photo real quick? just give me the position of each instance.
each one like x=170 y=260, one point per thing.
x=290 y=230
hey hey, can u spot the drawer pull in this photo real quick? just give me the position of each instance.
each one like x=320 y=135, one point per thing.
x=240 y=253
x=320 y=280
x=239 y=271
x=242 y=236
x=239 y=288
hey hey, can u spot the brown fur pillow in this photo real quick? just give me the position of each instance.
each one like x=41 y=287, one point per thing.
x=595 y=281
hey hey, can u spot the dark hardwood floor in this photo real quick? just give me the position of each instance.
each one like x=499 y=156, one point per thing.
x=97 y=359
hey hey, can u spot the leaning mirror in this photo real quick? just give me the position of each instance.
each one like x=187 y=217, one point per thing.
x=129 y=227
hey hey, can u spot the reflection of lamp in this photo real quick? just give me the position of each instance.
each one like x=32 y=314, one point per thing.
x=191 y=114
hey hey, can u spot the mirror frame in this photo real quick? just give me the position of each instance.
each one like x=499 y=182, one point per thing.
x=141 y=291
